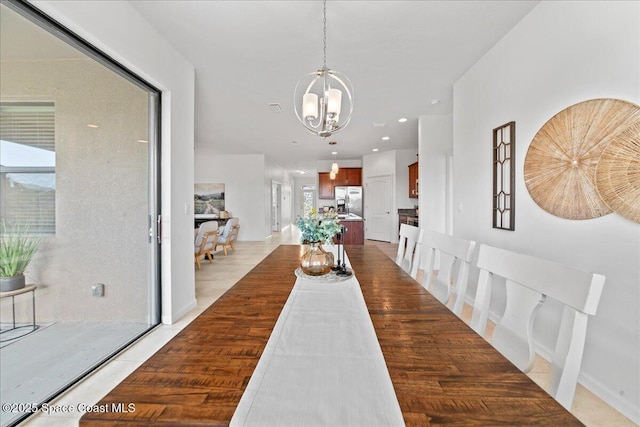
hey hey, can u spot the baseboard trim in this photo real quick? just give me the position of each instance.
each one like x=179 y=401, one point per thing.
x=170 y=319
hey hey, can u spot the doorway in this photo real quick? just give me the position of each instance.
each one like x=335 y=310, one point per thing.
x=276 y=206
x=378 y=208
x=308 y=200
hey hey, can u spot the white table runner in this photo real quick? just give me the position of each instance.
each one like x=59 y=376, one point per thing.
x=322 y=365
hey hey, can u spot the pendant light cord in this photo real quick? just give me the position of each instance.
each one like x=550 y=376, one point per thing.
x=324 y=37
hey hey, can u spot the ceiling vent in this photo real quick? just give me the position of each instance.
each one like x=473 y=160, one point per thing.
x=276 y=108
x=379 y=125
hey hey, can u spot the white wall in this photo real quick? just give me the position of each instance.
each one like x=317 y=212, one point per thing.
x=325 y=165
x=559 y=54
x=244 y=185
x=119 y=31
x=435 y=142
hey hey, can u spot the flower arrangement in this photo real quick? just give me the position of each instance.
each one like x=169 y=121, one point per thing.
x=318 y=228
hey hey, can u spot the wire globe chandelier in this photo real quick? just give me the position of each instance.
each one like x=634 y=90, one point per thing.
x=319 y=96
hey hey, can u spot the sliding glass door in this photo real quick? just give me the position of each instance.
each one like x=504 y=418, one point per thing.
x=79 y=172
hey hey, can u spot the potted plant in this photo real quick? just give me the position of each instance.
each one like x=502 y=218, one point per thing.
x=315 y=230
x=17 y=248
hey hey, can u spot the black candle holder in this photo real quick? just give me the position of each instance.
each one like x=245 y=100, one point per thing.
x=337 y=266
x=342 y=269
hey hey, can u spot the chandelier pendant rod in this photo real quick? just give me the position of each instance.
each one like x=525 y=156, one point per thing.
x=324 y=35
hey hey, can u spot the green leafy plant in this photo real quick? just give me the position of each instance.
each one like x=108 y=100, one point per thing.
x=315 y=228
x=17 y=247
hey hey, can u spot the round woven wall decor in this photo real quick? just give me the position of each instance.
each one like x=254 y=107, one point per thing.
x=618 y=174
x=560 y=165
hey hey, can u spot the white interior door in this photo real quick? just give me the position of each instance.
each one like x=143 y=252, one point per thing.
x=378 y=208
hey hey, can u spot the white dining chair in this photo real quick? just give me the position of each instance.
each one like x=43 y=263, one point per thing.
x=417 y=256
x=450 y=276
x=529 y=281
x=405 y=258
x=206 y=239
x=229 y=235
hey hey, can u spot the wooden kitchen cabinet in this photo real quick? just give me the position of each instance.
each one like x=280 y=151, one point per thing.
x=353 y=176
x=354 y=234
x=346 y=176
x=325 y=186
x=413 y=180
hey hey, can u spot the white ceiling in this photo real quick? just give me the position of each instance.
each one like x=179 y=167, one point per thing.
x=399 y=55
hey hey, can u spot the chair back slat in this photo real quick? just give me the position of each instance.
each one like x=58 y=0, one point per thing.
x=455 y=254
x=409 y=235
x=417 y=255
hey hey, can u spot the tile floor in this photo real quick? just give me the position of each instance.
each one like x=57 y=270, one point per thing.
x=211 y=282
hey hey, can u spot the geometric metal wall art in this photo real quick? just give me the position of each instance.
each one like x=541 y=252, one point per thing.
x=504 y=200
x=561 y=161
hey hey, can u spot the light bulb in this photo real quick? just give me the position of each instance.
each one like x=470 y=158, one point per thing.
x=335 y=101
x=310 y=106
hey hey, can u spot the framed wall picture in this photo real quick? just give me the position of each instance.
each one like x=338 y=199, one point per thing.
x=504 y=201
x=208 y=200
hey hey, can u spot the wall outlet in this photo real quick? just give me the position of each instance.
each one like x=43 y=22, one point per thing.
x=97 y=290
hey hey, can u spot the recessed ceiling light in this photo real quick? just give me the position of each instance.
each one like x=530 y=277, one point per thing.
x=302 y=171
x=143 y=141
x=92 y=126
x=375 y=149
x=334 y=152
x=385 y=138
x=402 y=119
x=435 y=101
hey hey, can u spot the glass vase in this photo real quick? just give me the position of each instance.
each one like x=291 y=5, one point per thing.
x=316 y=261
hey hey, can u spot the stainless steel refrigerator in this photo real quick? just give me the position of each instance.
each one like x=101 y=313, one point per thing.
x=348 y=200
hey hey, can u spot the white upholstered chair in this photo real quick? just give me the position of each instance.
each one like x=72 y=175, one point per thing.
x=206 y=239
x=408 y=245
x=450 y=277
x=529 y=281
x=229 y=235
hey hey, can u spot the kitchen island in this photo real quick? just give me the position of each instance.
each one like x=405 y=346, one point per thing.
x=354 y=226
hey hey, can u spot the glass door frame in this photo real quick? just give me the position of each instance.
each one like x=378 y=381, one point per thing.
x=154 y=160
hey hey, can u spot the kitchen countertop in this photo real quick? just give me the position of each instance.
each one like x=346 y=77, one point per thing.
x=350 y=217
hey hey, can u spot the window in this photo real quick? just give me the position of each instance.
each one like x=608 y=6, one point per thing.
x=27 y=165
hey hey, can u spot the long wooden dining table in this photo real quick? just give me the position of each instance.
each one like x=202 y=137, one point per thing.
x=443 y=373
